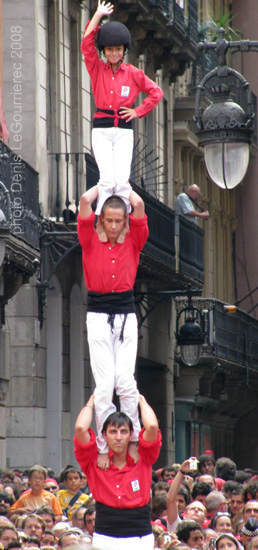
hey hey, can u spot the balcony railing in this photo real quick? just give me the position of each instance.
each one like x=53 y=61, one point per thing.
x=205 y=62
x=19 y=201
x=161 y=221
x=191 y=249
x=164 y=5
x=176 y=15
x=193 y=21
x=235 y=336
x=232 y=337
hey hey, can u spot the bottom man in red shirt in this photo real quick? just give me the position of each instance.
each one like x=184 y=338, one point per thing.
x=122 y=492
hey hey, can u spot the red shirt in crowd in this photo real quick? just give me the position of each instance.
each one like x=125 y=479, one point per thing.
x=111 y=268
x=128 y=487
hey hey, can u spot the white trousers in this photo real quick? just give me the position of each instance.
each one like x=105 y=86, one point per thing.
x=102 y=542
x=113 y=365
x=113 y=150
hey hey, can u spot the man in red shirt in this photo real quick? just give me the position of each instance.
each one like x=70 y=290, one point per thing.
x=122 y=493
x=110 y=269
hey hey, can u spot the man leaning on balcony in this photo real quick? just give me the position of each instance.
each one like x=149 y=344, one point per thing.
x=185 y=207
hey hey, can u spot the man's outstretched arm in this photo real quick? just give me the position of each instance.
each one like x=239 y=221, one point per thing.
x=173 y=490
x=83 y=421
x=86 y=201
x=137 y=204
x=149 y=420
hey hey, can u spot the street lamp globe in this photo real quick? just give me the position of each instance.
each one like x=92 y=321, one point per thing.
x=226 y=163
x=190 y=355
x=190 y=339
x=226 y=142
x=224 y=128
x=2 y=217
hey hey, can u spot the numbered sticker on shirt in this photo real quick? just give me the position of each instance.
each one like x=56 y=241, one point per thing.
x=125 y=91
x=135 y=485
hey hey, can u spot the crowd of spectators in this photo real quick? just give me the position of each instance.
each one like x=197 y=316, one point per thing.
x=41 y=510
x=214 y=507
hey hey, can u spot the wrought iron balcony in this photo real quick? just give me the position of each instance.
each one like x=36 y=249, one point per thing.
x=191 y=249
x=188 y=27
x=171 y=9
x=159 y=255
x=161 y=28
x=19 y=197
x=19 y=224
x=231 y=338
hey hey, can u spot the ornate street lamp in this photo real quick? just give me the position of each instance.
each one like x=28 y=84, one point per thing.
x=225 y=128
x=190 y=322
x=191 y=335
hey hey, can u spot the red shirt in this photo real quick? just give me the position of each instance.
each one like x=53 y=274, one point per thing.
x=111 y=268
x=125 y=488
x=113 y=90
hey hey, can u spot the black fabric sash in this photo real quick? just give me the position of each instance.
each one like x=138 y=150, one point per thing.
x=113 y=119
x=122 y=522
x=109 y=111
x=111 y=302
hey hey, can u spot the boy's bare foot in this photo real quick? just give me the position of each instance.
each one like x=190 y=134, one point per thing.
x=133 y=451
x=101 y=231
x=103 y=461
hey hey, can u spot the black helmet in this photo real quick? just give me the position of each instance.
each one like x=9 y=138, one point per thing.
x=113 y=34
